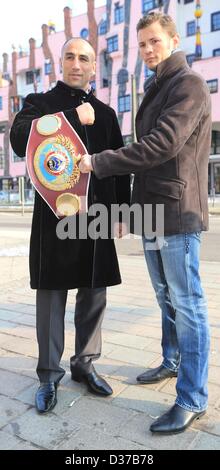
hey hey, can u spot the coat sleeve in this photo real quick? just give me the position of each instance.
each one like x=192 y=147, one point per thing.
x=122 y=183
x=184 y=108
x=33 y=108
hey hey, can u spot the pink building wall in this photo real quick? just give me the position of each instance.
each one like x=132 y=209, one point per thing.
x=2 y=146
x=210 y=69
x=4 y=95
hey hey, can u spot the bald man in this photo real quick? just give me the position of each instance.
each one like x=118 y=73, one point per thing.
x=85 y=264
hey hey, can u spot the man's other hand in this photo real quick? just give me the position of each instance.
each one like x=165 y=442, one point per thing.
x=85 y=165
x=86 y=114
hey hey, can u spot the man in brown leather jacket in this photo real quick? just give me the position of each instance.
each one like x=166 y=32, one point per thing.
x=170 y=162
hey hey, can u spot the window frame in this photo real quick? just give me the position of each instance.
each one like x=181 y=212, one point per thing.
x=188 y=25
x=212 y=23
x=152 y=7
x=113 y=40
x=124 y=104
x=214 y=50
x=118 y=13
x=213 y=80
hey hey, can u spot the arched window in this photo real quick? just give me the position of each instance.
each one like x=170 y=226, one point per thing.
x=122 y=76
x=102 y=28
x=84 y=33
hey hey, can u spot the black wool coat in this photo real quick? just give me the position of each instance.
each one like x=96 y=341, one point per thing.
x=72 y=263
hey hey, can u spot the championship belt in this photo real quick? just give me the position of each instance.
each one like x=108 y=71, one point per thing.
x=53 y=154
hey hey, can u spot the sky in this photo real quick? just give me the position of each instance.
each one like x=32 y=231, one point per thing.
x=22 y=19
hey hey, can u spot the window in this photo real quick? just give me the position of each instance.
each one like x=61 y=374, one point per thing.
x=188 y=1
x=112 y=44
x=2 y=129
x=93 y=84
x=16 y=103
x=190 y=59
x=215 y=145
x=84 y=33
x=102 y=29
x=216 y=52
x=124 y=104
x=190 y=28
x=1 y=159
x=6 y=76
x=60 y=65
x=122 y=76
x=16 y=158
x=32 y=75
x=119 y=13
x=127 y=139
x=103 y=63
x=1 y=103
x=104 y=83
x=213 y=85
x=147 y=72
x=215 y=21
x=148 y=5
x=47 y=67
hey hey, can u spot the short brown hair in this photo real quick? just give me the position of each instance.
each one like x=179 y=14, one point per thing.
x=165 y=21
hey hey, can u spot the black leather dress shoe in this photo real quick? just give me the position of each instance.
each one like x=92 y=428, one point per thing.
x=158 y=374
x=46 y=397
x=96 y=384
x=176 y=420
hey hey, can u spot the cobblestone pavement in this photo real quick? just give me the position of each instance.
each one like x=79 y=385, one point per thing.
x=131 y=343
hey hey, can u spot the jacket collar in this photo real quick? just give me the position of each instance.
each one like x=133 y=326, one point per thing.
x=168 y=67
x=61 y=86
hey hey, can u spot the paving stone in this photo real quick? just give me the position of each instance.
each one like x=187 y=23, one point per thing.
x=46 y=431
x=133 y=356
x=9 y=328
x=214 y=375
x=9 y=315
x=107 y=367
x=9 y=409
x=88 y=438
x=214 y=359
x=214 y=394
x=141 y=398
x=128 y=340
x=205 y=441
x=99 y=413
x=25 y=319
x=22 y=364
x=127 y=374
x=9 y=442
x=209 y=423
x=28 y=394
x=20 y=345
x=12 y=384
x=137 y=430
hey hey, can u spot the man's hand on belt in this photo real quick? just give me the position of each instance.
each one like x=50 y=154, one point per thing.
x=85 y=165
x=86 y=114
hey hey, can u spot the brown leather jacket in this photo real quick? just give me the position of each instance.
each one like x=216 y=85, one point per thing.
x=170 y=159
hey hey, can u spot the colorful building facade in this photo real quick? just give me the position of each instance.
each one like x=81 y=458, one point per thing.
x=120 y=74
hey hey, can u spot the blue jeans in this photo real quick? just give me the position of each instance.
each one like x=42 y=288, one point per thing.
x=174 y=273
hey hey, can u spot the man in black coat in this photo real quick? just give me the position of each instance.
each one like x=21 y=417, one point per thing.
x=58 y=265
